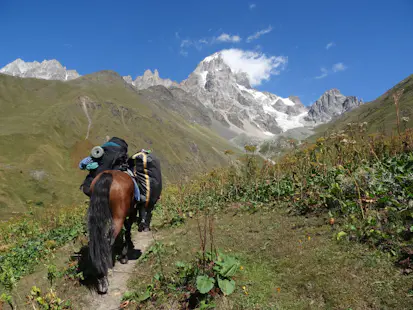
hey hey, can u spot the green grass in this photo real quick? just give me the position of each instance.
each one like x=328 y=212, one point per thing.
x=282 y=268
x=30 y=240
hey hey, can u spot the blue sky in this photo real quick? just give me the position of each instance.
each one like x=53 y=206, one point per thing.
x=360 y=47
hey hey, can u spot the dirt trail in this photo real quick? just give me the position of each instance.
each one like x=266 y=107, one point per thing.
x=119 y=275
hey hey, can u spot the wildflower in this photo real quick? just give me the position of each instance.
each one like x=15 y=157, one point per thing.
x=405 y=119
x=241 y=268
x=278 y=289
x=300 y=240
x=320 y=140
x=244 y=288
x=309 y=238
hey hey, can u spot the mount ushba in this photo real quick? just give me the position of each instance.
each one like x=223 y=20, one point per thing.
x=221 y=94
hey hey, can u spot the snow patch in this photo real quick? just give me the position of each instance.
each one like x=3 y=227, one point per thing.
x=211 y=57
x=204 y=76
x=267 y=133
x=287 y=101
x=286 y=121
x=255 y=93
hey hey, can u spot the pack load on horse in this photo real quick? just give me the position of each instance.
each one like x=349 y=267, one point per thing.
x=113 y=193
x=146 y=168
x=112 y=155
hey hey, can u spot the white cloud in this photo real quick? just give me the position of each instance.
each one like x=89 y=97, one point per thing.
x=259 y=33
x=339 y=67
x=324 y=73
x=252 y=6
x=225 y=37
x=335 y=68
x=186 y=43
x=330 y=45
x=258 y=66
x=198 y=44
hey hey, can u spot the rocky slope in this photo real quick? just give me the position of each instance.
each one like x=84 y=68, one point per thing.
x=47 y=70
x=149 y=79
x=330 y=105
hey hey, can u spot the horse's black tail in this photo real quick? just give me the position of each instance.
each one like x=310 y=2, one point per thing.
x=100 y=225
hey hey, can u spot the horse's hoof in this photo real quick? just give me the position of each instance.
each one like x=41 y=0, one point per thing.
x=103 y=286
x=124 y=260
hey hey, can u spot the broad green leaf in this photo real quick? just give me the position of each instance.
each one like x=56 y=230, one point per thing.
x=145 y=296
x=128 y=295
x=226 y=286
x=204 y=284
x=226 y=265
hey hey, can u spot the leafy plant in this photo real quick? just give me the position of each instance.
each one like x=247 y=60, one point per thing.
x=193 y=283
x=6 y=298
x=52 y=273
x=47 y=301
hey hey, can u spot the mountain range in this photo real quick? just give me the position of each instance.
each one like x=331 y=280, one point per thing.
x=221 y=94
x=47 y=69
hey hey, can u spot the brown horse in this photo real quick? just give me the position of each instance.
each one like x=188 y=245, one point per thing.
x=111 y=202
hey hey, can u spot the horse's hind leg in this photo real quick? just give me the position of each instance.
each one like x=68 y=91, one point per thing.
x=128 y=244
x=128 y=227
x=117 y=236
x=116 y=240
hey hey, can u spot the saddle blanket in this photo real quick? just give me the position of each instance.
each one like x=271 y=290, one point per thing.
x=137 y=192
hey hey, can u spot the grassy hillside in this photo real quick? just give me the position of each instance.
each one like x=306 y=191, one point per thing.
x=379 y=114
x=44 y=134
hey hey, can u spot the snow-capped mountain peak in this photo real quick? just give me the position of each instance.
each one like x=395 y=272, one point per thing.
x=47 y=69
x=236 y=104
